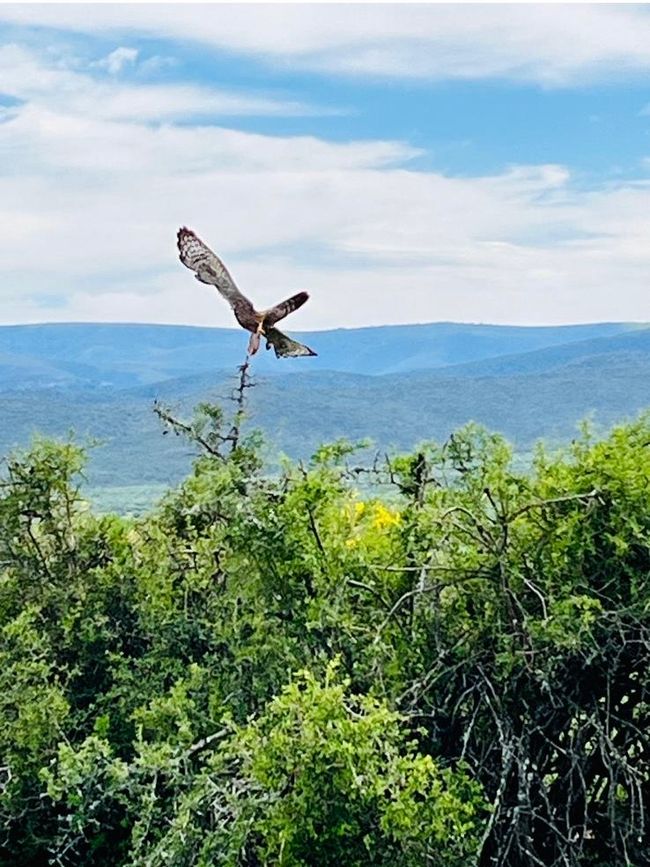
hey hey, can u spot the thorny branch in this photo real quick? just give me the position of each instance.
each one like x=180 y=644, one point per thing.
x=214 y=442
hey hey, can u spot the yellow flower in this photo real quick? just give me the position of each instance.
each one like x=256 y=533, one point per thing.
x=383 y=517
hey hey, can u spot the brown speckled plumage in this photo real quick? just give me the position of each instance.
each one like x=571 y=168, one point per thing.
x=208 y=268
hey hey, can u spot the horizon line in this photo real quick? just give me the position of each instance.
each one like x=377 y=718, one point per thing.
x=40 y=324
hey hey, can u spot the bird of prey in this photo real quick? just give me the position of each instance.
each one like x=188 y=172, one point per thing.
x=208 y=268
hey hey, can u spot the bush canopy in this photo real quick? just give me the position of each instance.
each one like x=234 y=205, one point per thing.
x=432 y=658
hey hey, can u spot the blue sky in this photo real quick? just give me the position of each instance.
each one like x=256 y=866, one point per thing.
x=403 y=163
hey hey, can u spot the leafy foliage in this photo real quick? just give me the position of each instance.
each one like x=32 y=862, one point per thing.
x=432 y=658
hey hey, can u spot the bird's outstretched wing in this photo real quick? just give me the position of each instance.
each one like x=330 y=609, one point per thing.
x=284 y=346
x=284 y=308
x=208 y=268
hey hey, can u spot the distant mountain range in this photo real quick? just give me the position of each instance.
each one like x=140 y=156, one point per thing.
x=117 y=356
x=396 y=384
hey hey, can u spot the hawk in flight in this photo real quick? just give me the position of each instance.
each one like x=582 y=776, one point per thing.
x=208 y=268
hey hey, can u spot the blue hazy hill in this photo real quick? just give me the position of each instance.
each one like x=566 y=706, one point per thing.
x=594 y=352
x=398 y=385
x=91 y=355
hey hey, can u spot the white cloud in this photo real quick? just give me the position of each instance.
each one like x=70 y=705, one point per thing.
x=117 y=60
x=551 y=44
x=57 y=85
x=91 y=207
x=96 y=176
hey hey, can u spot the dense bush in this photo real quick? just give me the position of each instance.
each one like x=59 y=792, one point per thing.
x=432 y=659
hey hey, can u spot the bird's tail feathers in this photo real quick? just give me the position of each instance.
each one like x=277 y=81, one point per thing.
x=284 y=346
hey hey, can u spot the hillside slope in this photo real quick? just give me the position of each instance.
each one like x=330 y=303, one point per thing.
x=105 y=356
x=100 y=381
x=593 y=351
x=300 y=411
